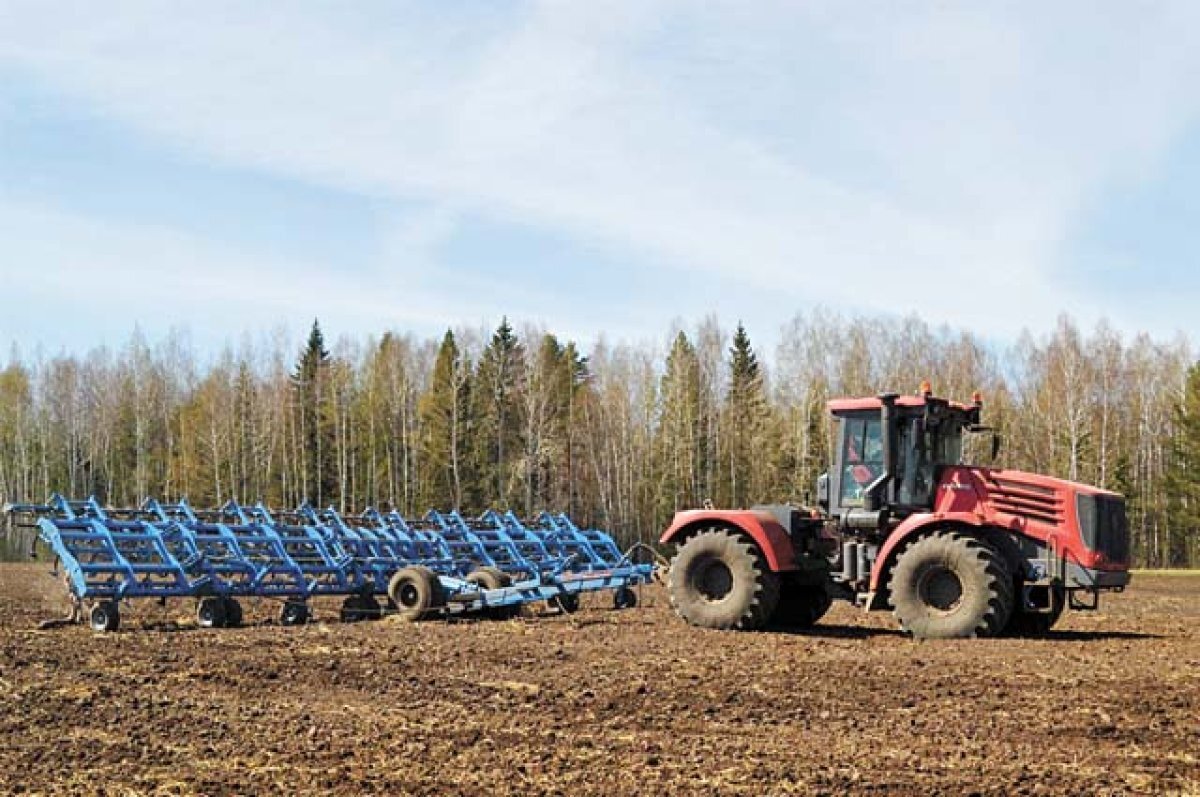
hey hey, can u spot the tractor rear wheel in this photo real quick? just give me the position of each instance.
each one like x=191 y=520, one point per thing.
x=719 y=579
x=417 y=593
x=949 y=585
x=801 y=605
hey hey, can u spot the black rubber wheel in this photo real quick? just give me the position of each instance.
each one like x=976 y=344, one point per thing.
x=489 y=578
x=949 y=585
x=372 y=608
x=624 y=598
x=718 y=579
x=800 y=605
x=294 y=613
x=1038 y=624
x=417 y=593
x=210 y=612
x=105 y=617
x=357 y=608
x=566 y=602
x=233 y=613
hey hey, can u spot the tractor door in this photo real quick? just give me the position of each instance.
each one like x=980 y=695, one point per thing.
x=924 y=448
x=859 y=460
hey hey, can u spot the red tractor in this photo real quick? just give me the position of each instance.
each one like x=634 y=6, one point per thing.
x=953 y=550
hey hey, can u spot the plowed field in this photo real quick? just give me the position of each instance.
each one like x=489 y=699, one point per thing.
x=599 y=702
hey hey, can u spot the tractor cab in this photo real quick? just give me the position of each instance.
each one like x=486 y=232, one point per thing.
x=889 y=453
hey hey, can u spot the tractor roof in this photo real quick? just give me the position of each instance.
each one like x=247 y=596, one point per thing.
x=837 y=406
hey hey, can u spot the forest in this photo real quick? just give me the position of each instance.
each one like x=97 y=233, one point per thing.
x=619 y=436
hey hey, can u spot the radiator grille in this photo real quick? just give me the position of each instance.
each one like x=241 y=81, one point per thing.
x=1028 y=501
x=1103 y=526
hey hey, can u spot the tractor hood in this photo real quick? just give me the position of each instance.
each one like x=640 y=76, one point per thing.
x=1082 y=521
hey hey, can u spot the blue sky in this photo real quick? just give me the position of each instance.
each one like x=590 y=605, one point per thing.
x=593 y=167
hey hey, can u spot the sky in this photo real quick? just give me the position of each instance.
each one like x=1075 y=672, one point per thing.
x=593 y=167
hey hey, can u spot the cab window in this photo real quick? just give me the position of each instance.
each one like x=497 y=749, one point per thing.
x=862 y=458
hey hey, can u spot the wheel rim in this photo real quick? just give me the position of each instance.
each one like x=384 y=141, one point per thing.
x=712 y=578
x=940 y=589
x=409 y=596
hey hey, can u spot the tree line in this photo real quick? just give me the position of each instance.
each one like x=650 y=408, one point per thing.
x=620 y=436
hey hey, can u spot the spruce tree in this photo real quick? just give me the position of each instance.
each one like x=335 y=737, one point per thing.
x=315 y=419
x=498 y=416
x=749 y=455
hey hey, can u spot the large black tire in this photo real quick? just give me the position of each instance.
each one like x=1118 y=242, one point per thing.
x=105 y=617
x=210 y=612
x=718 y=579
x=488 y=578
x=1037 y=624
x=417 y=593
x=949 y=585
x=800 y=605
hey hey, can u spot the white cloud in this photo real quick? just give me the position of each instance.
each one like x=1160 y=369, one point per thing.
x=901 y=159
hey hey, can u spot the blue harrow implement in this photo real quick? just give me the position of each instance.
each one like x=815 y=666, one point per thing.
x=378 y=562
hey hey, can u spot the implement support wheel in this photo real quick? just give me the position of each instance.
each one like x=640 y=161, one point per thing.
x=105 y=616
x=625 y=598
x=360 y=607
x=210 y=612
x=566 y=602
x=294 y=613
x=417 y=593
x=489 y=578
x=233 y=613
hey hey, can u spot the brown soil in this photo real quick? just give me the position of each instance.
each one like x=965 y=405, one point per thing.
x=598 y=702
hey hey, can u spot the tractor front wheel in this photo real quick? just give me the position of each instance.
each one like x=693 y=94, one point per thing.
x=949 y=585
x=719 y=579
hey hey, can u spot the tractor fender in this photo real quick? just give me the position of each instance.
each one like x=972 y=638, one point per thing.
x=914 y=526
x=761 y=527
